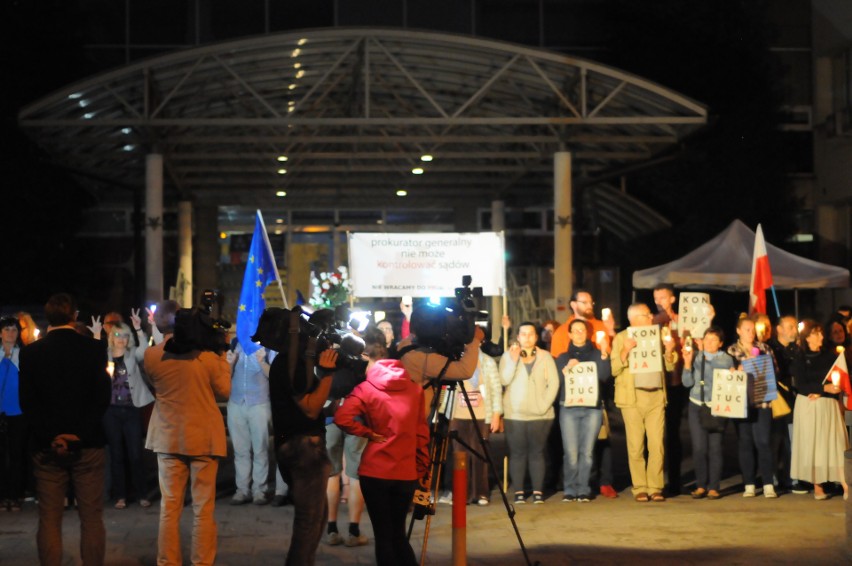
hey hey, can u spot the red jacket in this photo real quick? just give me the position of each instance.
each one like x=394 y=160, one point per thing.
x=391 y=405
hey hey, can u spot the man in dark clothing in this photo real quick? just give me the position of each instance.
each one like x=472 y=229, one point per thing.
x=64 y=393
x=784 y=346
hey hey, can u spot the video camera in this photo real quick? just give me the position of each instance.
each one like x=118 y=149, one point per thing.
x=447 y=330
x=326 y=326
x=196 y=329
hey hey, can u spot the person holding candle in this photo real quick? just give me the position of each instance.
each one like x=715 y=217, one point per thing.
x=755 y=430
x=123 y=418
x=819 y=434
x=698 y=370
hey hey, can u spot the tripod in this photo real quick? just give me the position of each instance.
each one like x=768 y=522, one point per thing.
x=440 y=415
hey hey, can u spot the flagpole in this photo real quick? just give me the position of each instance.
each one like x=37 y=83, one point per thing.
x=272 y=255
x=775 y=298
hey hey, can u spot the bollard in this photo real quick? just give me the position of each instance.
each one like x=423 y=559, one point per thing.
x=459 y=508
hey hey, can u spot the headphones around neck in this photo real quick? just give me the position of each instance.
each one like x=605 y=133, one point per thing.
x=530 y=354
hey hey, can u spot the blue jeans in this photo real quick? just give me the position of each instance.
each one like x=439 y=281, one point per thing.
x=754 y=432
x=305 y=466
x=706 y=452
x=249 y=430
x=580 y=427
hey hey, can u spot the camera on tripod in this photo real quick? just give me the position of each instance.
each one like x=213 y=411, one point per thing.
x=197 y=329
x=448 y=329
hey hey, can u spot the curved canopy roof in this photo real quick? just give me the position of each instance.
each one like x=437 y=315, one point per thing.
x=353 y=111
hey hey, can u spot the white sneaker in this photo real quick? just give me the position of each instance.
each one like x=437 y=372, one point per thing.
x=769 y=491
x=749 y=491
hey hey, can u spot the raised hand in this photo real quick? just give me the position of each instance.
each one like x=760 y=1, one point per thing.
x=135 y=320
x=96 y=327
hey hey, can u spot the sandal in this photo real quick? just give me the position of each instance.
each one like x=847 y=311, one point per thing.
x=641 y=497
x=120 y=504
x=699 y=493
x=713 y=494
x=658 y=497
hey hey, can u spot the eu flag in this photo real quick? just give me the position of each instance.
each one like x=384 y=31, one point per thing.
x=260 y=271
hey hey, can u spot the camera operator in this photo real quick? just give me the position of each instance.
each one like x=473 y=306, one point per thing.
x=420 y=360
x=188 y=434
x=298 y=398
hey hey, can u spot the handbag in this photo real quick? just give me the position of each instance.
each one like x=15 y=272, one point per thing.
x=603 y=434
x=706 y=419
x=780 y=407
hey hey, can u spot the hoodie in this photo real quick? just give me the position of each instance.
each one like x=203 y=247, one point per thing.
x=390 y=405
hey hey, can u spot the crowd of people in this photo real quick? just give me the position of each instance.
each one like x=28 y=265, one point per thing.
x=360 y=436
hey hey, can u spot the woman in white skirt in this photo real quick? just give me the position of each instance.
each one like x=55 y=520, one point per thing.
x=819 y=435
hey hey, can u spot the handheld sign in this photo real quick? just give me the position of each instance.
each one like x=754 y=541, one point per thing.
x=762 y=370
x=730 y=394
x=646 y=359
x=693 y=314
x=581 y=385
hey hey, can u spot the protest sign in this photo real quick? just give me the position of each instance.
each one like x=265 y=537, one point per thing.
x=646 y=359
x=730 y=394
x=762 y=371
x=581 y=385
x=425 y=265
x=693 y=314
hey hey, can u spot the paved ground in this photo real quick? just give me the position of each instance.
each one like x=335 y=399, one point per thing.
x=793 y=529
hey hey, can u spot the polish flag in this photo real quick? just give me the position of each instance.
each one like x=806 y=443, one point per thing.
x=840 y=372
x=761 y=277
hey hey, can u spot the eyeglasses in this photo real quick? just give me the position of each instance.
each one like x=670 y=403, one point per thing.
x=121 y=335
x=592 y=303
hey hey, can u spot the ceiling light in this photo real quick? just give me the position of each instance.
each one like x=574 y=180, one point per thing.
x=278 y=232
x=279 y=221
x=282 y=158
x=401 y=193
x=296 y=52
x=302 y=41
x=282 y=171
x=126 y=131
x=88 y=115
x=292 y=86
x=83 y=103
x=417 y=170
x=75 y=95
x=426 y=157
x=300 y=73
x=222 y=235
x=281 y=194
x=297 y=65
x=129 y=147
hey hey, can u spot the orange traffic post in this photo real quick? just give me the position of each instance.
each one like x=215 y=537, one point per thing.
x=459 y=508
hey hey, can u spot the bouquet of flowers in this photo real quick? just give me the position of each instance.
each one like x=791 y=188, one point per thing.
x=330 y=289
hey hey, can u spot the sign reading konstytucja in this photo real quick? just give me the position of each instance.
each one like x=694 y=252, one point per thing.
x=425 y=265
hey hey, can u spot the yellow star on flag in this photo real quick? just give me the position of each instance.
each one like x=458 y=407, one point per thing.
x=260 y=271
x=242 y=308
x=251 y=259
x=257 y=283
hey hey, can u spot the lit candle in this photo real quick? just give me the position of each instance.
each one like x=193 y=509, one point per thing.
x=599 y=337
x=840 y=349
x=667 y=334
x=761 y=328
x=36 y=332
x=687 y=345
x=801 y=326
x=111 y=369
x=606 y=313
x=835 y=378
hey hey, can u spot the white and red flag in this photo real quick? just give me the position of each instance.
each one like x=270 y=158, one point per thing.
x=761 y=277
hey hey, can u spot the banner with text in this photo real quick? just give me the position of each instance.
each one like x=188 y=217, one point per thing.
x=581 y=385
x=730 y=394
x=646 y=359
x=693 y=312
x=425 y=265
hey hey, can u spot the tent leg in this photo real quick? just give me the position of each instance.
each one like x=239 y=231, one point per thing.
x=796 y=303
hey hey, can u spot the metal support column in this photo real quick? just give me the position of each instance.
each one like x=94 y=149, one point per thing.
x=153 y=228
x=184 y=290
x=563 y=247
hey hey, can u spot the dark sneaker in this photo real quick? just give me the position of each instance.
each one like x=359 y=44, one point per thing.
x=569 y=498
x=584 y=498
x=279 y=501
x=538 y=499
x=519 y=498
